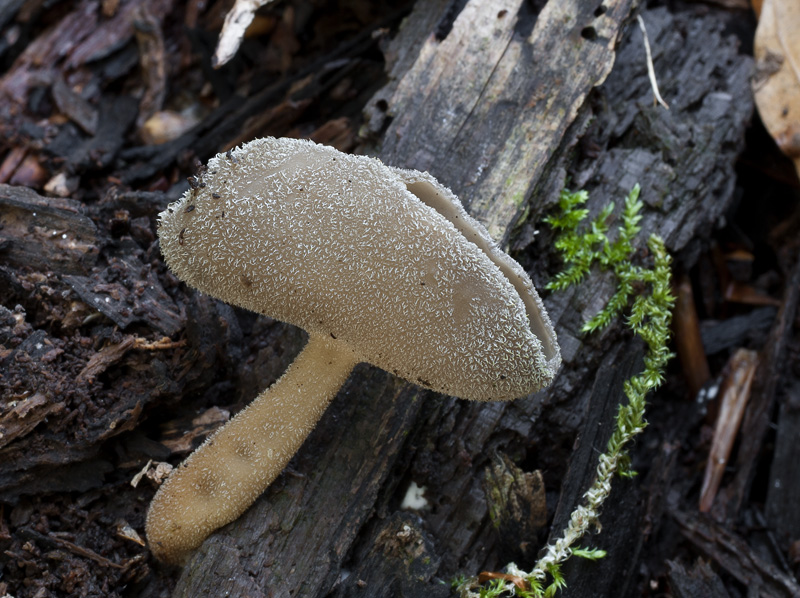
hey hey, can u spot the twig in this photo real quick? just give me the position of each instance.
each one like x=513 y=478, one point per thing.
x=233 y=30
x=651 y=73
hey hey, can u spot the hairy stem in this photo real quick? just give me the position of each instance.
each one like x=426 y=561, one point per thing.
x=223 y=477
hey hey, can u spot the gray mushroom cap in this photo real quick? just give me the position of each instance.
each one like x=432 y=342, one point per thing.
x=385 y=261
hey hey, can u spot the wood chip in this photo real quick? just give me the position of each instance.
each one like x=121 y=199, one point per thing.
x=735 y=394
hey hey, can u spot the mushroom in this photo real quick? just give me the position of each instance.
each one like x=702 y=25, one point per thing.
x=378 y=265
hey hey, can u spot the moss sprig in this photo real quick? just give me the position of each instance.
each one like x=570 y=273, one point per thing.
x=649 y=317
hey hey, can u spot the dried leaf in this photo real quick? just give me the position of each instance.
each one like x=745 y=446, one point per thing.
x=777 y=80
x=735 y=394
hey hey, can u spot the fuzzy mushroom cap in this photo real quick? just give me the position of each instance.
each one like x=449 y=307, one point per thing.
x=383 y=260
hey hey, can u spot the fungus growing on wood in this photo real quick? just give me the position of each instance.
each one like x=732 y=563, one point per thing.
x=378 y=265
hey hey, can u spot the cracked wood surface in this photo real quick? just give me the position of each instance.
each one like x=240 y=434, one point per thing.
x=335 y=529
x=498 y=74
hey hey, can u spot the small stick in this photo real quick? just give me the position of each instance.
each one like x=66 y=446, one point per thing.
x=233 y=30
x=650 y=70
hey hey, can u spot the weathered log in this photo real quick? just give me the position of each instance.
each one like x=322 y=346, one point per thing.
x=494 y=110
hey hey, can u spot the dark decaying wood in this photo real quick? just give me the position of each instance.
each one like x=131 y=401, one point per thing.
x=506 y=102
x=757 y=417
x=462 y=101
x=783 y=490
x=735 y=556
x=699 y=582
x=482 y=142
x=736 y=331
x=46 y=233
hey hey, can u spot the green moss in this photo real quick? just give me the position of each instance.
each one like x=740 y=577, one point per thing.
x=647 y=289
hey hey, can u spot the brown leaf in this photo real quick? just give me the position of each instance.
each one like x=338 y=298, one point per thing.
x=777 y=79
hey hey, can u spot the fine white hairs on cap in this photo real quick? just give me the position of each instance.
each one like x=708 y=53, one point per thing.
x=378 y=265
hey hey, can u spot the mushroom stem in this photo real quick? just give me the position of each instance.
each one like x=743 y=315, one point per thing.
x=223 y=477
